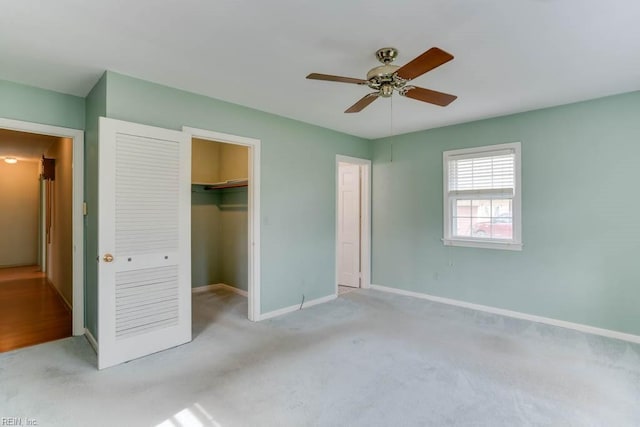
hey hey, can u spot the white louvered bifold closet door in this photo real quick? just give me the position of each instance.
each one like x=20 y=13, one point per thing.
x=144 y=276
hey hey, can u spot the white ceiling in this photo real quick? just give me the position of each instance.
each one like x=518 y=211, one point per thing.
x=510 y=56
x=23 y=145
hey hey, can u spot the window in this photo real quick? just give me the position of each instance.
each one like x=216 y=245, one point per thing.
x=482 y=197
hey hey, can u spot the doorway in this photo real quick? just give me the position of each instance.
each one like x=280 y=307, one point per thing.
x=71 y=232
x=36 y=251
x=353 y=223
x=241 y=202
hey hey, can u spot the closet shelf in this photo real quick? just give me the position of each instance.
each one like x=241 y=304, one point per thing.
x=231 y=183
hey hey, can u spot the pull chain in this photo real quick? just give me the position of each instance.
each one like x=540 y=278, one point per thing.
x=391 y=131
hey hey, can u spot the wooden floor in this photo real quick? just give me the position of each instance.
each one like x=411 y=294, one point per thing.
x=31 y=311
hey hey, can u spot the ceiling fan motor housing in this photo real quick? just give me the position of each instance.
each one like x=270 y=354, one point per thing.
x=383 y=77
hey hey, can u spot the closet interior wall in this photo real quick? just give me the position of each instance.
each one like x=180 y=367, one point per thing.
x=219 y=217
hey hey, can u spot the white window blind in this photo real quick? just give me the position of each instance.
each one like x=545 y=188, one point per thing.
x=475 y=175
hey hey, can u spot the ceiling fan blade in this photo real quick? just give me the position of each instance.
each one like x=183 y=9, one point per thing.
x=429 y=60
x=330 y=78
x=363 y=102
x=428 y=95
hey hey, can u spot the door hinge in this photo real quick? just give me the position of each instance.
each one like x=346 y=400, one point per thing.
x=84 y=208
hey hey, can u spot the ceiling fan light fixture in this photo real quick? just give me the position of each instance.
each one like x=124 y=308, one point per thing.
x=11 y=160
x=386 y=90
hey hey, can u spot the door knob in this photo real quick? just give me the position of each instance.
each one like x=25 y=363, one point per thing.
x=108 y=258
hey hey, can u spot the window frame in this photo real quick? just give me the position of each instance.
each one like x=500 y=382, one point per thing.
x=449 y=239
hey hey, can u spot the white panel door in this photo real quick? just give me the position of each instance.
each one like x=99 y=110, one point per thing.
x=144 y=267
x=349 y=225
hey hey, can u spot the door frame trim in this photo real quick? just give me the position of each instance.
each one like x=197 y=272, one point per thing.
x=253 y=298
x=365 y=223
x=77 y=199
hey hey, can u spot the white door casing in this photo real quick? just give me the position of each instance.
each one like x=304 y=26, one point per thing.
x=144 y=268
x=349 y=225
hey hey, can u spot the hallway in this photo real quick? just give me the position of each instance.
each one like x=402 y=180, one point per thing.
x=31 y=311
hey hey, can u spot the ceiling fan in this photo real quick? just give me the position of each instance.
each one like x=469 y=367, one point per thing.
x=386 y=78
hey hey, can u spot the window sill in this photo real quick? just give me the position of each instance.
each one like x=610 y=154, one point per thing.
x=505 y=246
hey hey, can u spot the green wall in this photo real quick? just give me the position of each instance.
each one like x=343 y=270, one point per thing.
x=206 y=245
x=31 y=104
x=579 y=174
x=579 y=200
x=297 y=180
x=234 y=236
x=219 y=235
x=96 y=107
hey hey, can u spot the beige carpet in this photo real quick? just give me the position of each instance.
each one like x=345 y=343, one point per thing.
x=365 y=359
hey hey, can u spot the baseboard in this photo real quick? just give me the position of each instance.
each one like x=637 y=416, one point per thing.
x=69 y=306
x=208 y=288
x=91 y=340
x=515 y=314
x=297 y=307
x=18 y=265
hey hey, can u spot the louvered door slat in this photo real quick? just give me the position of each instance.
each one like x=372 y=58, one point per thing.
x=144 y=294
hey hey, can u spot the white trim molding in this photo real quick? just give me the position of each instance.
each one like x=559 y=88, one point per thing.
x=77 y=213
x=253 y=208
x=92 y=340
x=485 y=245
x=216 y=286
x=297 y=307
x=67 y=303
x=515 y=314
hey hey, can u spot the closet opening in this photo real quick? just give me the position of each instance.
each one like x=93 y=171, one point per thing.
x=224 y=218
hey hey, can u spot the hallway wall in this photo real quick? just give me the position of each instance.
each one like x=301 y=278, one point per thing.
x=60 y=259
x=20 y=199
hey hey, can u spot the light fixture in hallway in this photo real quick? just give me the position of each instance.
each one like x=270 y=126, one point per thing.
x=11 y=160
